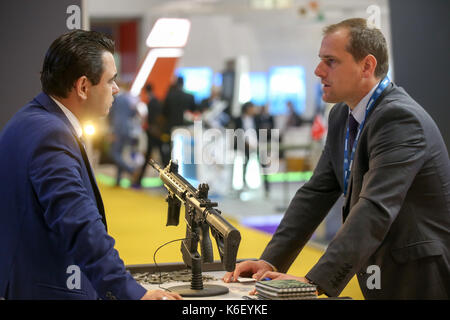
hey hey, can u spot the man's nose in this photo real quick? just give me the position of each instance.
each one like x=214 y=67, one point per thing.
x=115 y=89
x=319 y=70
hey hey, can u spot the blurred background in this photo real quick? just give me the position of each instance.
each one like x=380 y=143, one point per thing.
x=192 y=70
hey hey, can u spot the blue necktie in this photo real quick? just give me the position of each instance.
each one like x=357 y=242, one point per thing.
x=353 y=130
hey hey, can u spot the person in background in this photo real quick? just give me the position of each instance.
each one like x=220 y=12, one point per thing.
x=293 y=119
x=177 y=102
x=53 y=229
x=248 y=140
x=386 y=155
x=125 y=131
x=264 y=120
x=213 y=110
x=153 y=129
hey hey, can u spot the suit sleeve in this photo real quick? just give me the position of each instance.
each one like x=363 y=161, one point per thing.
x=307 y=209
x=72 y=215
x=396 y=152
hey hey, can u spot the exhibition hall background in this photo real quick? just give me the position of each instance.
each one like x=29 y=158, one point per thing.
x=419 y=33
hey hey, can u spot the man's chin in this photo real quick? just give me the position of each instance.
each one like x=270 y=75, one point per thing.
x=329 y=99
x=97 y=115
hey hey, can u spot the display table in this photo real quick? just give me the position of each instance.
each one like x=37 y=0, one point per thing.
x=212 y=274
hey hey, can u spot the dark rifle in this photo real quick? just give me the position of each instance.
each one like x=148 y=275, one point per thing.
x=200 y=216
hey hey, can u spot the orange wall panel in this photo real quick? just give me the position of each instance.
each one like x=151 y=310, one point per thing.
x=161 y=77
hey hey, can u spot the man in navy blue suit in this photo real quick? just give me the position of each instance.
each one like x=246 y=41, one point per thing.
x=53 y=231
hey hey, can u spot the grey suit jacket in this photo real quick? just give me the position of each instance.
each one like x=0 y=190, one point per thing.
x=397 y=212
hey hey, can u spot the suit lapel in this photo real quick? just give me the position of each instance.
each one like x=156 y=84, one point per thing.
x=346 y=208
x=45 y=101
x=97 y=195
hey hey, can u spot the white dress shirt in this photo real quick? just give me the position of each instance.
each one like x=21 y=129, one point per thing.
x=359 y=112
x=72 y=119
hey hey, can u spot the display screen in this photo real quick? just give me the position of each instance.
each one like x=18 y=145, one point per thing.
x=197 y=81
x=258 y=88
x=287 y=84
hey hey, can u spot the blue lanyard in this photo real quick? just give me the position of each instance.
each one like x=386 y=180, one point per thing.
x=348 y=160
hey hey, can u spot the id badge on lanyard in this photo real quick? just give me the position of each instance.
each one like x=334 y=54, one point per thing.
x=348 y=158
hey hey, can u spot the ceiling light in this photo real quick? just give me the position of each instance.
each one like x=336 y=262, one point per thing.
x=169 y=32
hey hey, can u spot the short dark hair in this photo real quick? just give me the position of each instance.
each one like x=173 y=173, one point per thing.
x=179 y=82
x=149 y=87
x=246 y=106
x=73 y=55
x=364 y=40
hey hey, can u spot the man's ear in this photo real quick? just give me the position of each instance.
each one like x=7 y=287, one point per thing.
x=369 y=64
x=82 y=87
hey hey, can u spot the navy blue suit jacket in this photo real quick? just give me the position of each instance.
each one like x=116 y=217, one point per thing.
x=51 y=214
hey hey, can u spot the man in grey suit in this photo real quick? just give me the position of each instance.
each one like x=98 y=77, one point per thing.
x=386 y=154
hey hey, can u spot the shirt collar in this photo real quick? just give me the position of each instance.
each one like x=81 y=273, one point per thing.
x=72 y=119
x=359 y=112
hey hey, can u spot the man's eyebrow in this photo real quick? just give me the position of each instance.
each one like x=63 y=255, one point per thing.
x=327 y=56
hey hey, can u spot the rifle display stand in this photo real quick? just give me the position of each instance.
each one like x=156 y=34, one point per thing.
x=208 y=290
x=196 y=288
